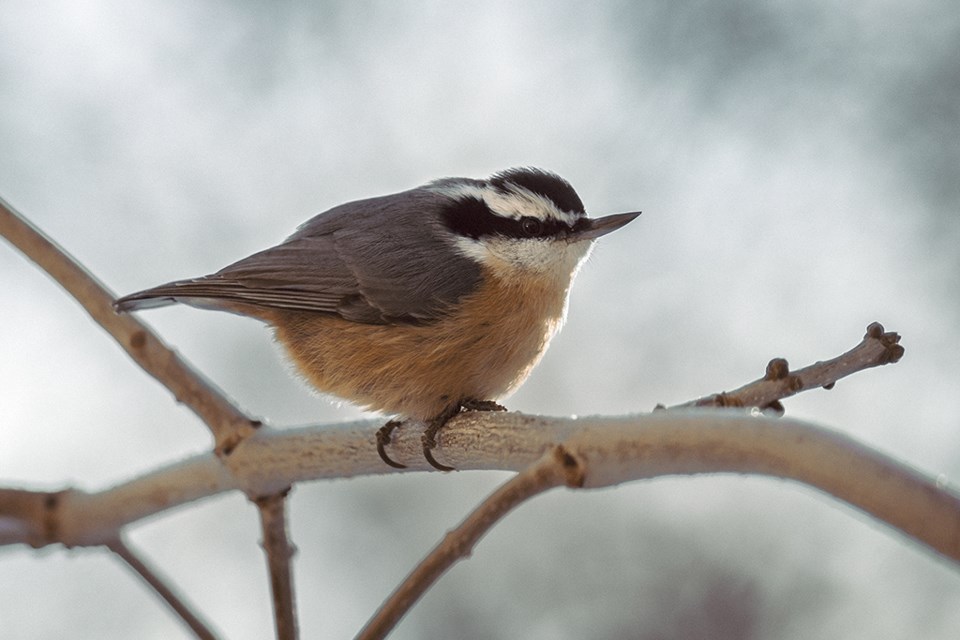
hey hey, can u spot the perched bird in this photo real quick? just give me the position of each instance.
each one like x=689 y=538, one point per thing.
x=418 y=303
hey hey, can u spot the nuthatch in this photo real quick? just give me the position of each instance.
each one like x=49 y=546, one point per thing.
x=418 y=303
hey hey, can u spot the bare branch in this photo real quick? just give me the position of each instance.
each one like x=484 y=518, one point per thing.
x=614 y=450
x=279 y=552
x=877 y=348
x=191 y=619
x=553 y=469
x=589 y=452
x=25 y=517
x=228 y=424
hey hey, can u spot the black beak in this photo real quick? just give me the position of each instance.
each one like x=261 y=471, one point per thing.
x=597 y=227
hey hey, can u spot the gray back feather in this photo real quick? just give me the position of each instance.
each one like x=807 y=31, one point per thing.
x=377 y=261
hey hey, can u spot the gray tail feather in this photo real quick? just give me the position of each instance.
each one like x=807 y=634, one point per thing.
x=203 y=293
x=138 y=301
x=162 y=296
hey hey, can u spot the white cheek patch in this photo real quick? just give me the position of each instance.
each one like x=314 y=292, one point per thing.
x=511 y=258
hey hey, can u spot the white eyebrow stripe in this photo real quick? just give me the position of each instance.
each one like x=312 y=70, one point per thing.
x=510 y=205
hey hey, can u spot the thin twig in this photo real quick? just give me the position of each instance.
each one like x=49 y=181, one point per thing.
x=228 y=424
x=279 y=552
x=877 y=348
x=557 y=467
x=200 y=628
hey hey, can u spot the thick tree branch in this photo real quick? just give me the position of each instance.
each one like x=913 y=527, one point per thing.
x=891 y=492
x=280 y=552
x=228 y=424
x=613 y=450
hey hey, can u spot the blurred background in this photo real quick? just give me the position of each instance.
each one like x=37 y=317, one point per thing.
x=798 y=165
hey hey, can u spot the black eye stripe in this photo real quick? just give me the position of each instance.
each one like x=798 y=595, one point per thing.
x=471 y=217
x=530 y=227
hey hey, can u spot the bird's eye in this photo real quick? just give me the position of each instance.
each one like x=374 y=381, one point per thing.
x=531 y=226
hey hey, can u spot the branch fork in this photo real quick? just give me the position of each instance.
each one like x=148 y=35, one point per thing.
x=546 y=452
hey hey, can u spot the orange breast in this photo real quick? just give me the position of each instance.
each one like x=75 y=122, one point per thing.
x=485 y=348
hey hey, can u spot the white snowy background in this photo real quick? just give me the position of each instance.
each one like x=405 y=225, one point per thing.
x=798 y=165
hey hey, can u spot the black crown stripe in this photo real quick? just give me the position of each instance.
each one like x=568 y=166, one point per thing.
x=543 y=183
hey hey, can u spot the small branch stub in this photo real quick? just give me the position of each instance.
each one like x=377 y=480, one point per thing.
x=574 y=471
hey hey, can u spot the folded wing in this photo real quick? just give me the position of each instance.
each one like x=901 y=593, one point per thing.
x=375 y=261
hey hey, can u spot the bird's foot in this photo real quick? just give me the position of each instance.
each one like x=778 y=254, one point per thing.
x=429 y=438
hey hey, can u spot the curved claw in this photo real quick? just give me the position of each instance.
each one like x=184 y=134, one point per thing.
x=383 y=439
x=428 y=454
x=429 y=437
